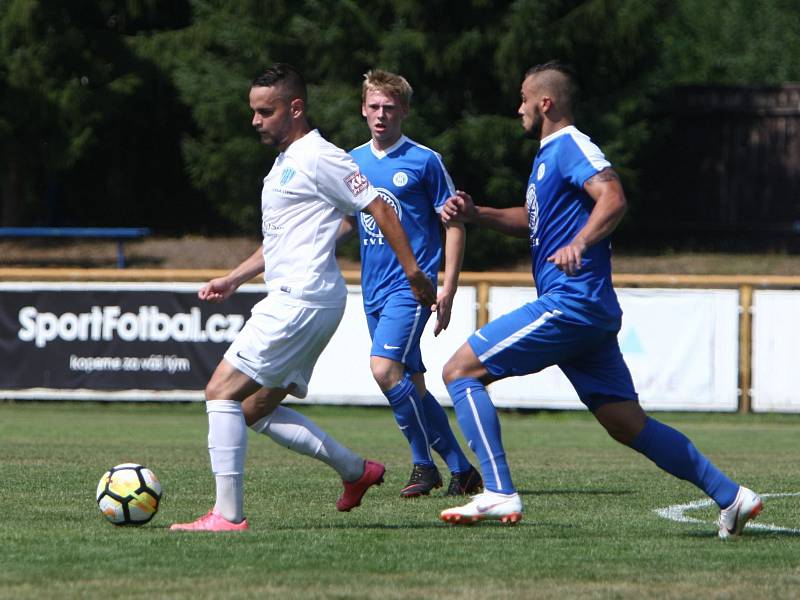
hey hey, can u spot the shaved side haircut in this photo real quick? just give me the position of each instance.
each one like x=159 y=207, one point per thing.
x=286 y=77
x=558 y=80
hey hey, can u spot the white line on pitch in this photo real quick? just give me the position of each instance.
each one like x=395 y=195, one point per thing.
x=676 y=512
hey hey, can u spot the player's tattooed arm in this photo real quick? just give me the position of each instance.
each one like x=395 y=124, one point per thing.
x=606 y=190
x=605 y=175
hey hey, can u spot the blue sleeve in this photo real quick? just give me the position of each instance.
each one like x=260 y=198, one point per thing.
x=437 y=181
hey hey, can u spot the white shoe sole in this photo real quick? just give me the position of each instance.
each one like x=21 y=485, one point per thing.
x=455 y=518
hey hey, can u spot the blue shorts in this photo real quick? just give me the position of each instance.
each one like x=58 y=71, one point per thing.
x=396 y=328
x=538 y=335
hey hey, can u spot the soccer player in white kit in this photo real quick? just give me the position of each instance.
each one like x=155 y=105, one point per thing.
x=310 y=188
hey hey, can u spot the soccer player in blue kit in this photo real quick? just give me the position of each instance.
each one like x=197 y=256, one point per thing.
x=574 y=201
x=413 y=181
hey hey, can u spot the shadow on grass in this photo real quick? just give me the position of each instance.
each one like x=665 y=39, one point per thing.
x=749 y=533
x=433 y=524
x=574 y=492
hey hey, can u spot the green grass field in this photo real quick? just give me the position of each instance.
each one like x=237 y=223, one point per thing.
x=590 y=528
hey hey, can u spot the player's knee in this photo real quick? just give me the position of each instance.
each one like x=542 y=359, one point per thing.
x=463 y=363
x=387 y=372
x=622 y=435
x=453 y=370
x=622 y=420
x=214 y=391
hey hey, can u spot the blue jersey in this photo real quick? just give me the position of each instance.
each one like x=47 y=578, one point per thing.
x=413 y=180
x=558 y=208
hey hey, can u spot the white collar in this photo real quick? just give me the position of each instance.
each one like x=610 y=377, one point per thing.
x=379 y=154
x=563 y=131
x=299 y=141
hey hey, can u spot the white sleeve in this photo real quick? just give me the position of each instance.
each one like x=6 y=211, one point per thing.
x=341 y=183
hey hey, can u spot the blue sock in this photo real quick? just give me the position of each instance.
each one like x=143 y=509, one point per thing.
x=478 y=420
x=677 y=455
x=410 y=417
x=442 y=438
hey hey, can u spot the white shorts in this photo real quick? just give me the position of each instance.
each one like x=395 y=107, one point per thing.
x=280 y=343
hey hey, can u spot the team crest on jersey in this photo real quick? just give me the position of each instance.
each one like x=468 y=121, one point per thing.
x=533 y=214
x=540 y=172
x=368 y=221
x=356 y=182
x=400 y=179
x=287 y=175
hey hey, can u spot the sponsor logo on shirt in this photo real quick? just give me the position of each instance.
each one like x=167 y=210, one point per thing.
x=356 y=182
x=287 y=174
x=270 y=228
x=533 y=214
x=400 y=179
x=374 y=234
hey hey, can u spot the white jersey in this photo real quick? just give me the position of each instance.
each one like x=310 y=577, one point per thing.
x=310 y=188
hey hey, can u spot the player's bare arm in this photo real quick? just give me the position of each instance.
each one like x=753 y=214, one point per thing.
x=221 y=288
x=454 y=242
x=394 y=234
x=605 y=189
x=511 y=221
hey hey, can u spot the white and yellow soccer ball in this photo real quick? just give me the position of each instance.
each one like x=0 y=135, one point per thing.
x=128 y=494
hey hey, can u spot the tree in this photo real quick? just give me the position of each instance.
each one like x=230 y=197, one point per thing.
x=84 y=117
x=136 y=110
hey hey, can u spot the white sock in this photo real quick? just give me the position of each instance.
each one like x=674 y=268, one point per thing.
x=291 y=429
x=227 y=447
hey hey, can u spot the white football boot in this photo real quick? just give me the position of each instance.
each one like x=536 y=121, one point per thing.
x=732 y=520
x=506 y=508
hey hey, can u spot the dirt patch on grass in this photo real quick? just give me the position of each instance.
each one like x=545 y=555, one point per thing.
x=194 y=252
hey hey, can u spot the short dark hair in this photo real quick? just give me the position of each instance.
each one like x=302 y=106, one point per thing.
x=552 y=65
x=286 y=76
x=566 y=85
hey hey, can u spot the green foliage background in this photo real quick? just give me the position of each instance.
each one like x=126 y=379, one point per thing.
x=134 y=112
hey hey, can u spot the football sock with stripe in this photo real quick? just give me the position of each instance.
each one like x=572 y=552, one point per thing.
x=480 y=425
x=227 y=447
x=676 y=454
x=410 y=417
x=297 y=432
x=442 y=438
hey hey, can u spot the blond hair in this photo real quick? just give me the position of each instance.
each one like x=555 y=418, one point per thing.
x=387 y=83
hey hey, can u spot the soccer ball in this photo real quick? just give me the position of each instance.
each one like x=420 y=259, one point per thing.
x=128 y=494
